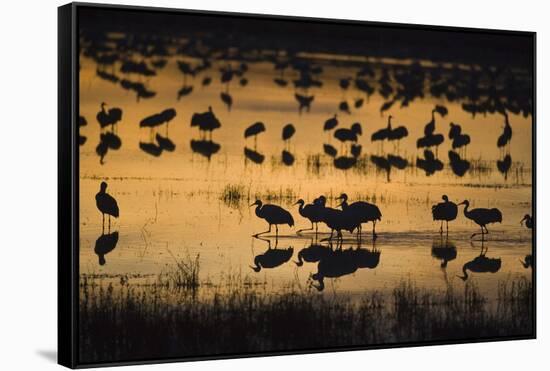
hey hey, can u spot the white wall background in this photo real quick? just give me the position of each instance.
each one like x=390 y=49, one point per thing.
x=28 y=168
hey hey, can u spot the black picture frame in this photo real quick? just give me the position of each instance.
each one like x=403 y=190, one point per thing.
x=68 y=179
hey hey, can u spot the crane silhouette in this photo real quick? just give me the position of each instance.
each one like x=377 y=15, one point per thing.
x=336 y=220
x=253 y=131
x=481 y=217
x=106 y=204
x=529 y=221
x=313 y=212
x=527 y=262
x=110 y=117
x=459 y=140
x=430 y=139
x=273 y=215
x=361 y=212
x=206 y=121
x=348 y=135
x=506 y=136
x=445 y=211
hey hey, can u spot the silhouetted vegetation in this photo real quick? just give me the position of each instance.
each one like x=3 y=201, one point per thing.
x=175 y=315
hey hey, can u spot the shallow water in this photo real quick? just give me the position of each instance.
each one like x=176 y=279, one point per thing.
x=173 y=204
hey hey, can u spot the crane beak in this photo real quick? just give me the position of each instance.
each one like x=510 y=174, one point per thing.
x=254 y=204
x=340 y=204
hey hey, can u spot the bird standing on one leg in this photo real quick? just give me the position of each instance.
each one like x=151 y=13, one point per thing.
x=106 y=204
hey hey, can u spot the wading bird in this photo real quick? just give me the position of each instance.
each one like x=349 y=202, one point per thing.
x=253 y=131
x=481 y=217
x=331 y=123
x=206 y=121
x=504 y=138
x=110 y=117
x=313 y=212
x=361 y=212
x=273 y=215
x=106 y=204
x=529 y=222
x=445 y=212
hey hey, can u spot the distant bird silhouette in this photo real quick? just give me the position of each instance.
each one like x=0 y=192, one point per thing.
x=481 y=264
x=445 y=211
x=382 y=134
x=359 y=103
x=397 y=133
x=206 y=121
x=206 y=81
x=253 y=131
x=106 y=204
x=158 y=119
x=345 y=83
x=272 y=258
x=110 y=117
x=104 y=245
x=331 y=123
x=288 y=132
x=344 y=107
x=482 y=217
x=361 y=212
x=504 y=139
x=529 y=221
x=313 y=212
x=349 y=135
x=430 y=139
x=527 y=262
x=304 y=102
x=273 y=215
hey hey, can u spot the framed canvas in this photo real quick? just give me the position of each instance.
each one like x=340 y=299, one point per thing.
x=236 y=185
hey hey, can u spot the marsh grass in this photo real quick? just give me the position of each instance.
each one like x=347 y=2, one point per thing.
x=178 y=316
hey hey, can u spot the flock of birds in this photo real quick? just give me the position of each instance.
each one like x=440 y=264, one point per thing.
x=346 y=217
x=207 y=122
x=131 y=61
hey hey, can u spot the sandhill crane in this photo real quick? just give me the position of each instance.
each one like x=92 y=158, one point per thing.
x=254 y=130
x=206 y=121
x=445 y=211
x=331 y=123
x=273 y=215
x=110 y=117
x=529 y=221
x=481 y=217
x=106 y=204
x=313 y=212
x=504 y=139
x=361 y=212
x=349 y=135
